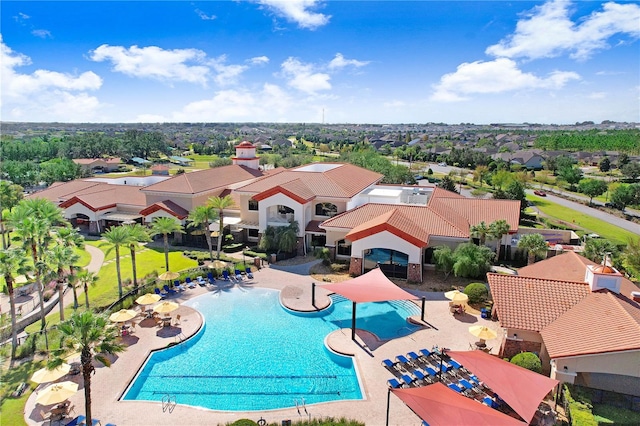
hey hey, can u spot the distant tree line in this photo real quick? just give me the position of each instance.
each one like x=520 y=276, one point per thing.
x=627 y=140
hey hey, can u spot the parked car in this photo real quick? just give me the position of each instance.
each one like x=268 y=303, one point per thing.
x=442 y=164
x=540 y=193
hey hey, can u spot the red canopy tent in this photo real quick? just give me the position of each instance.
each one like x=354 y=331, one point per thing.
x=436 y=404
x=522 y=389
x=373 y=286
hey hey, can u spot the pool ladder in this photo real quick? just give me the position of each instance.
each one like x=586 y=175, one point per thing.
x=168 y=403
x=302 y=404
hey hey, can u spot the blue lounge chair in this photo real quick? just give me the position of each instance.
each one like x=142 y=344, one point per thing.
x=179 y=285
x=454 y=364
x=162 y=294
x=454 y=387
x=249 y=273
x=419 y=375
x=407 y=379
x=390 y=365
x=189 y=282
x=425 y=352
x=414 y=356
x=404 y=361
x=225 y=275
x=238 y=275
x=169 y=290
x=466 y=384
x=430 y=371
x=201 y=281
x=394 y=383
x=211 y=278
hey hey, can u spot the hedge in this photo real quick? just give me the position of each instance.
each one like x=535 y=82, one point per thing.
x=477 y=292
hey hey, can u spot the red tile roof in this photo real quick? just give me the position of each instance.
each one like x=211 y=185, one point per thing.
x=611 y=324
x=533 y=303
x=204 y=180
x=343 y=181
x=474 y=210
x=60 y=191
x=167 y=206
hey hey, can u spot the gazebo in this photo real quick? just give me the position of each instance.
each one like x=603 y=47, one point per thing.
x=373 y=286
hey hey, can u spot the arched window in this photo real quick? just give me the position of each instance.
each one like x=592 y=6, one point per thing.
x=326 y=209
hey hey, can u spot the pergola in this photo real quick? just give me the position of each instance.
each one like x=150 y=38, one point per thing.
x=373 y=286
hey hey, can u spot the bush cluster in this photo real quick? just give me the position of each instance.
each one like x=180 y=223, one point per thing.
x=477 y=292
x=528 y=360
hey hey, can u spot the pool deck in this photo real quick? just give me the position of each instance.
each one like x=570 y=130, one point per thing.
x=109 y=384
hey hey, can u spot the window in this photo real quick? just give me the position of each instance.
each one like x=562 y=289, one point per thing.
x=253 y=204
x=326 y=209
x=253 y=233
x=284 y=210
x=344 y=248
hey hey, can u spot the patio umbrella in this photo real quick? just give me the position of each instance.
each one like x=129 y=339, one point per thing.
x=166 y=276
x=57 y=393
x=122 y=315
x=166 y=307
x=148 y=299
x=45 y=375
x=218 y=264
x=21 y=279
x=483 y=332
x=456 y=296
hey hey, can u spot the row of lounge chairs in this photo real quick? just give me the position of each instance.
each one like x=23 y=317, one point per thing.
x=202 y=282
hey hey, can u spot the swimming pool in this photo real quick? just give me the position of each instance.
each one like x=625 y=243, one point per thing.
x=254 y=355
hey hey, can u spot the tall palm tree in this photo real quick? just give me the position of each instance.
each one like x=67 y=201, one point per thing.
x=13 y=261
x=86 y=279
x=534 y=245
x=137 y=234
x=70 y=237
x=165 y=226
x=480 y=231
x=288 y=237
x=61 y=257
x=201 y=217
x=498 y=229
x=10 y=195
x=116 y=237
x=220 y=203
x=92 y=335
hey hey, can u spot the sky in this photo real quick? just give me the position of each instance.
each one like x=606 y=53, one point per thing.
x=313 y=61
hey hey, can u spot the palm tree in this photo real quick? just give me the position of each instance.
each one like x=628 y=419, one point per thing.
x=137 y=234
x=202 y=216
x=13 y=261
x=86 y=279
x=498 y=229
x=221 y=203
x=534 y=245
x=10 y=195
x=165 y=226
x=116 y=237
x=480 y=231
x=93 y=336
x=61 y=257
x=288 y=237
x=70 y=237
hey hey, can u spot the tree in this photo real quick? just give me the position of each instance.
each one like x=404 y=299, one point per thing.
x=595 y=249
x=480 y=231
x=116 y=237
x=70 y=237
x=623 y=159
x=13 y=261
x=571 y=175
x=497 y=229
x=288 y=237
x=137 y=234
x=631 y=257
x=165 y=226
x=501 y=178
x=631 y=170
x=86 y=279
x=95 y=338
x=220 y=203
x=444 y=259
x=534 y=245
x=592 y=188
x=448 y=184
x=480 y=174
x=10 y=195
x=472 y=261
x=605 y=165
x=202 y=216
x=623 y=196
x=61 y=257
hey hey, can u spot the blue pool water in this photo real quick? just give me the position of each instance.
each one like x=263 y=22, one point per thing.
x=254 y=355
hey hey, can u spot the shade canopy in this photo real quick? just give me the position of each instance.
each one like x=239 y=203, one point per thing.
x=148 y=299
x=218 y=264
x=57 y=393
x=123 y=315
x=436 y=404
x=456 y=296
x=169 y=275
x=166 y=307
x=483 y=332
x=373 y=286
x=522 y=389
x=45 y=375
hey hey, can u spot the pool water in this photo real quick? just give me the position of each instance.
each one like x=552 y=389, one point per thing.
x=253 y=354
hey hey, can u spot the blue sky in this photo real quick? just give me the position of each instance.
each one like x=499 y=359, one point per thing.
x=302 y=60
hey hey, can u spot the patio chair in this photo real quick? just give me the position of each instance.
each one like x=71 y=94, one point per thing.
x=238 y=275
x=211 y=278
x=419 y=375
x=201 y=281
x=179 y=286
x=249 y=273
x=454 y=387
x=407 y=379
x=162 y=294
x=45 y=416
x=431 y=371
x=453 y=363
x=76 y=421
x=190 y=283
x=405 y=362
x=395 y=384
x=169 y=290
x=177 y=320
x=225 y=275
x=393 y=367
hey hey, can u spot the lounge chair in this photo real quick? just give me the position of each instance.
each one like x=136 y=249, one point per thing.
x=238 y=275
x=454 y=387
x=430 y=371
x=201 y=281
x=162 y=294
x=190 y=283
x=454 y=364
x=211 y=278
x=45 y=416
x=405 y=362
x=391 y=366
x=169 y=290
x=249 y=273
x=225 y=275
x=179 y=286
x=407 y=379
x=395 y=384
x=464 y=383
x=420 y=376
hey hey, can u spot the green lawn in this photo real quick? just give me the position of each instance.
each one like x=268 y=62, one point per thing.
x=12 y=408
x=582 y=220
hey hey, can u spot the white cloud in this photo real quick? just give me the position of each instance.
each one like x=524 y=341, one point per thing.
x=500 y=75
x=156 y=63
x=45 y=95
x=204 y=16
x=339 y=62
x=41 y=33
x=226 y=74
x=302 y=76
x=547 y=31
x=298 y=11
x=597 y=95
x=21 y=17
x=259 y=60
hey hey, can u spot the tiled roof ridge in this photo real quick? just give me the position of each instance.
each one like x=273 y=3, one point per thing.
x=466 y=232
x=538 y=279
x=623 y=299
x=351 y=211
x=261 y=178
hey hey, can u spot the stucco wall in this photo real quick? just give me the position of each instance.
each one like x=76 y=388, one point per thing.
x=386 y=239
x=281 y=199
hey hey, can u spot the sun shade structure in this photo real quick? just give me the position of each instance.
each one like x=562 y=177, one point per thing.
x=166 y=307
x=483 y=332
x=148 y=299
x=436 y=404
x=168 y=276
x=373 y=286
x=45 y=375
x=522 y=389
x=456 y=296
x=123 y=315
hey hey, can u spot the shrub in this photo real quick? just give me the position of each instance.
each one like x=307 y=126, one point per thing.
x=232 y=248
x=324 y=254
x=244 y=422
x=528 y=360
x=477 y=292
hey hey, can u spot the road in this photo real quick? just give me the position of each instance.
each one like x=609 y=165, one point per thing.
x=598 y=214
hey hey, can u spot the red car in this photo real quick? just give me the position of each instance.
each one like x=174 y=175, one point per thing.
x=540 y=193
